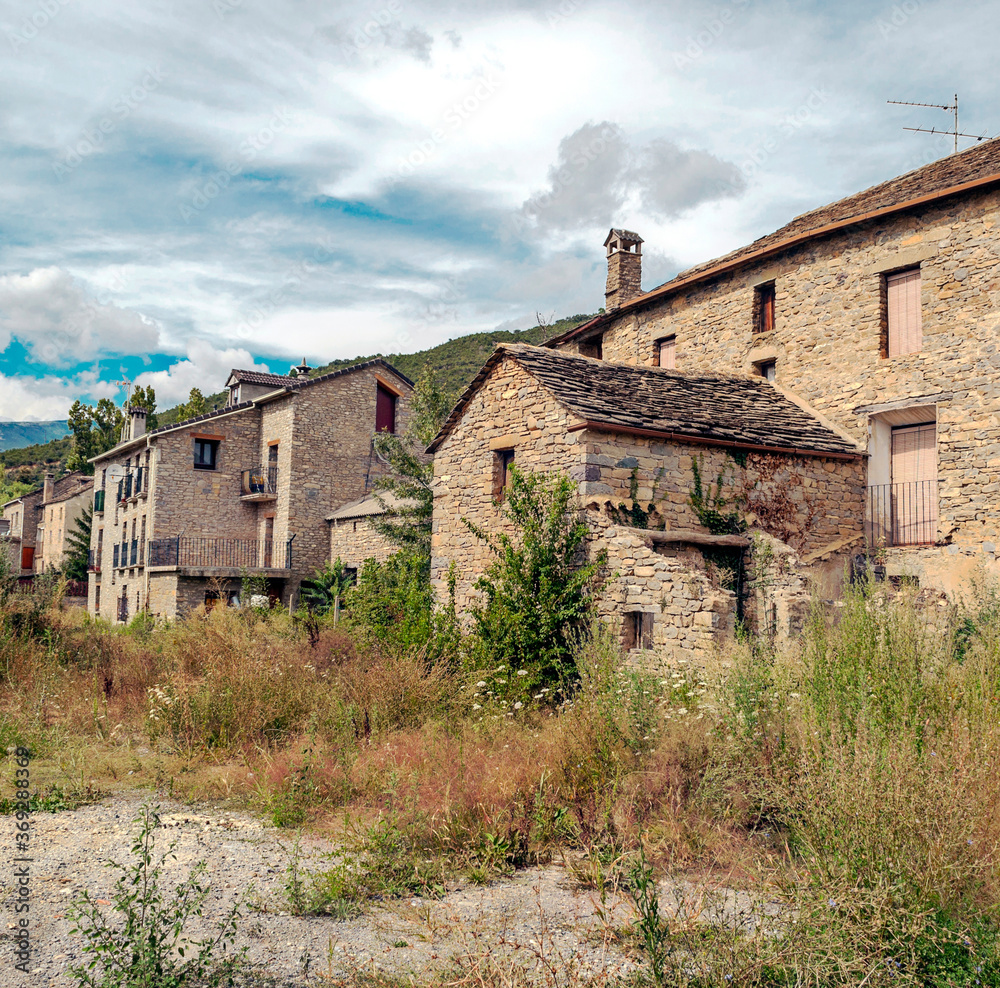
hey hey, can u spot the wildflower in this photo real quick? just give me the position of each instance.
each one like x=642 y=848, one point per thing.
x=481 y=683
x=477 y=706
x=833 y=903
x=682 y=711
x=518 y=705
x=522 y=672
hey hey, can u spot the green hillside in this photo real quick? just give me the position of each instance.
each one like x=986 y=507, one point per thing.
x=454 y=363
x=30 y=463
x=17 y=435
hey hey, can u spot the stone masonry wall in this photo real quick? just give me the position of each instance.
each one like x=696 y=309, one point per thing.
x=811 y=502
x=353 y=541
x=827 y=341
x=332 y=458
x=510 y=411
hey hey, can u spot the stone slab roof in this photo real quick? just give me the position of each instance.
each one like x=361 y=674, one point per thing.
x=973 y=168
x=724 y=410
x=370 y=506
x=70 y=486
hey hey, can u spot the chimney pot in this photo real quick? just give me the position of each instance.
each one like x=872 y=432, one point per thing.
x=48 y=487
x=624 y=268
x=137 y=423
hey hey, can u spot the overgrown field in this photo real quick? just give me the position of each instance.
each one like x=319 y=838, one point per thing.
x=850 y=785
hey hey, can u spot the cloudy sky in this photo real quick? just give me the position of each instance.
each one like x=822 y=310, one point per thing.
x=195 y=185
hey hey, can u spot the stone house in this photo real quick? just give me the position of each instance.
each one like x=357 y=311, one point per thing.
x=353 y=540
x=38 y=522
x=881 y=312
x=635 y=440
x=184 y=511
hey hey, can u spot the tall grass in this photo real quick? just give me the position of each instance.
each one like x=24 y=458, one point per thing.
x=847 y=785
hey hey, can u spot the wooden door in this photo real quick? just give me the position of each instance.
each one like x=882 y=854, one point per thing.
x=914 y=484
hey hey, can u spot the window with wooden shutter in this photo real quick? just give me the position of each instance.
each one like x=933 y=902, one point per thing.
x=385 y=410
x=903 y=312
x=914 y=484
x=763 y=321
x=667 y=350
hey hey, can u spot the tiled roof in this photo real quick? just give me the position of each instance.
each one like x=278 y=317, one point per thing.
x=726 y=410
x=259 y=377
x=371 y=505
x=286 y=383
x=617 y=231
x=979 y=165
x=70 y=486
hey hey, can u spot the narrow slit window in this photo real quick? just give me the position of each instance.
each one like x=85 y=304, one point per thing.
x=666 y=350
x=764 y=308
x=903 y=323
x=503 y=460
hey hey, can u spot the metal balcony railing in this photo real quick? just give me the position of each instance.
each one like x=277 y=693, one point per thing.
x=93 y=561
x=98 y=501
x=259 y=480
x=233 y=553
x=902 y=514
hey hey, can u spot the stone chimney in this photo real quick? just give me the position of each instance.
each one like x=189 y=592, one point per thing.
x=624 y=268
x=302 y=370
x=136 y=422
x=48 y=487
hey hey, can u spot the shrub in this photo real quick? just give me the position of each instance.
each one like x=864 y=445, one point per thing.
x=539 y=591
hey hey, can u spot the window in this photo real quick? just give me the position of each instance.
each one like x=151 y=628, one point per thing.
x=206 y=454
x=593 y=348
x=914 y=496
x=637 y=630
x=763 y=315
x=503 y=459
x=666 y=352
x=385 y=410
x=767 y=369
x=902 y=327
x=97 y=599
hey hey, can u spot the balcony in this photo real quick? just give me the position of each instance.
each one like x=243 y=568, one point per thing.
x=902 y=514
x=99 y=502
x=259 y=483
x=211 y=553
x=93 y=561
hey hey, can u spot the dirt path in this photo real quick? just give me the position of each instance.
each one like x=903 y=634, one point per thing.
x=538 y=910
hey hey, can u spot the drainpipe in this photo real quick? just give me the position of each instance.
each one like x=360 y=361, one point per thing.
x=288 y=559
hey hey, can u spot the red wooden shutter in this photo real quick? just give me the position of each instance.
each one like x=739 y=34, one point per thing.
x=385 y=410
x=668 y=353
x=27 y=557
x=903 y=292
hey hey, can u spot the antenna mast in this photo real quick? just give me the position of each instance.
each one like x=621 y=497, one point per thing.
x=127 y=385
x=951 y=108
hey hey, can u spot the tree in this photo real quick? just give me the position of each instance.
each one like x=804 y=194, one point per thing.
x=539 y=590
x=195 y=405
x=410 y=527
x=328 y=584
x=9 y=489
x=98 y=428
x=77 y=558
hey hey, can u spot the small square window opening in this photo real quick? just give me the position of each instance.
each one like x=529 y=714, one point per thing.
x=767 y=369
x=206 y=454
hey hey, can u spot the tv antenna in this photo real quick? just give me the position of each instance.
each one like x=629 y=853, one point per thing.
x=951 y=108
x=127 y=385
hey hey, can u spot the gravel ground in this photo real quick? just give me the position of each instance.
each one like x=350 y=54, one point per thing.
x=538 y=909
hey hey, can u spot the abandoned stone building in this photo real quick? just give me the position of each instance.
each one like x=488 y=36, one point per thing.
x=875 y=317
x=184 y=512
x=353 y=540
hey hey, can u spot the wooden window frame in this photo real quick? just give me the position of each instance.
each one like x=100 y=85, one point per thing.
x=764 y=306
x=660 y=343
x=637 y=630
x=210 y=444
x=503 y=459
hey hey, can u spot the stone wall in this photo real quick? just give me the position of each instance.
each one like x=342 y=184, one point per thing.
x=827 y=342
x=353 y=540
x=809 y=502
x=60 y=521
x=510 y=411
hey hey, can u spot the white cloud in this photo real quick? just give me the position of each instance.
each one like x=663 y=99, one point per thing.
x=61 y=323
x=205 y=368
x=44 y=399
